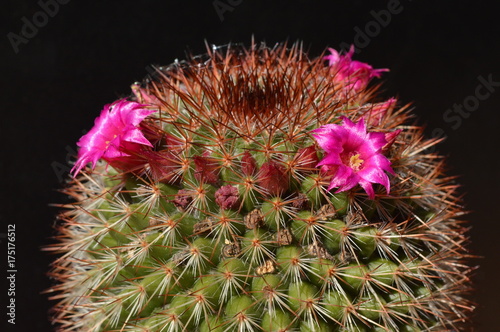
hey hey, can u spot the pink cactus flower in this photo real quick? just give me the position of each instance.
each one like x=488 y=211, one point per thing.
x=354 y=74
x=353 y=156
x=115 y=135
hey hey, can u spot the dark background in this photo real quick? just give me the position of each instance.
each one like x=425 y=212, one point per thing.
x=89 y=53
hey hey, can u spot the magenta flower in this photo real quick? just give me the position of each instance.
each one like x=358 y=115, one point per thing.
x=353 y=156
x=115 y=135
x=354 y=74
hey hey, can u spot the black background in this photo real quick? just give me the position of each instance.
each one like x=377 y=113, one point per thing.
x=89 y=53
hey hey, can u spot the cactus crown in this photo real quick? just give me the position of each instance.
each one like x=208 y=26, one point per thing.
x=260 y=190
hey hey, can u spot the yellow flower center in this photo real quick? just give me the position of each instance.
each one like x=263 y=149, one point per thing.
x=107 y=142
x=355 y=162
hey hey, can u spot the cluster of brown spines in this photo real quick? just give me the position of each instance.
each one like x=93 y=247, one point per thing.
x=229 y=227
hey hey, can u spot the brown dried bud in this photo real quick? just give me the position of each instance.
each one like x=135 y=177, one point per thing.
x=301 y=202
x=316 y=249
x=326 y=212
x=231 y=249
x=254 y=219
x=179 y=258
x=155 y=221
x=204 y=225
x=267 y=267
x=183 y=199
x=284 y=237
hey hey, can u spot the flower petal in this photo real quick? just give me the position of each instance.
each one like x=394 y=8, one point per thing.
x=115 y=126
x=367 y=186
x=328 y=137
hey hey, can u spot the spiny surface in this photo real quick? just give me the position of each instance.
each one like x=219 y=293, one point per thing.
x=224 y=222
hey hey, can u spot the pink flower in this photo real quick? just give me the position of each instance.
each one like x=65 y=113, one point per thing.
x=353 y=156
x=354 y=74
x=115 y=135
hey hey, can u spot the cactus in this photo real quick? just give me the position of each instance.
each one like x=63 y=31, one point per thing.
x=258 y=189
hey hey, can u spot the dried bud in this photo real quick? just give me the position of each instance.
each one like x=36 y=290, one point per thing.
x=267 y=267
x=183 y=199
x=254 y=219
x=204 y=225
x=227 y=197
x=284 y=237
x=231 y=249
x=326 y=212
x=316 y=249
x=179 y=258
x=301 y=202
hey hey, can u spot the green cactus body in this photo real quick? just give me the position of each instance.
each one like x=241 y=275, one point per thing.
x=225 y=223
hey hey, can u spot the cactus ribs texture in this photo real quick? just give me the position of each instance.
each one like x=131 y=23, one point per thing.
x=225 y=221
